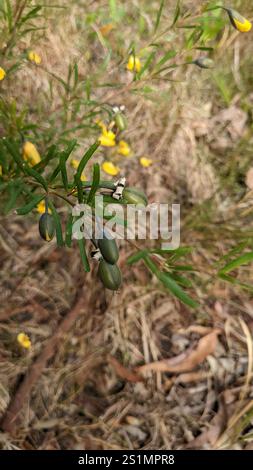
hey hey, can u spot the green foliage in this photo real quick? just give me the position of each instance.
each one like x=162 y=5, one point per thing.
x=55 y=134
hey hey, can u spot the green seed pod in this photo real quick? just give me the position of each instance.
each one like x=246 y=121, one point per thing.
x=109 y=249
x=204 y=62
x=47 y=227
x=135 y=196
x=110 y=275
x=120 y=121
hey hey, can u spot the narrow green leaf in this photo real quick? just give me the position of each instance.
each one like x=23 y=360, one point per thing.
x=75 y=75
x=51 y=153
x=9 y=14
x=176 y=14
x=37 y=176
x=66 y=154
x=68 y=235
x=79 y=187
x=14 y=153
x=169 y=283
x=32 y=14
x=84 y=258
x=64 y=170
x=85 y=159
x=30 y=205
x=183 y=281
x=167 y=56
x=236 y=263
x=176 y=290
x=95 y=183
x=146 y=65
x=158 y=17
x=137 y=257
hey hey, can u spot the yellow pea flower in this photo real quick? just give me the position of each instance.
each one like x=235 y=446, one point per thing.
x=110 y=168
x=31 y=154
x=238 y=21
x=24 y=340
x=134 y=64
x=74 y=163
x=106 y=29
x=107 y=138
x=34 y=57
x=2 y=73
x=123 y=148
x=146 y=162
x=41 y=208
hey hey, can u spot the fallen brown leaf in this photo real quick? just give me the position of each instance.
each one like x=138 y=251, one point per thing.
x=123 y=372
x=187 y=360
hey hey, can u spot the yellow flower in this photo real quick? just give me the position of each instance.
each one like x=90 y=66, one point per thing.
x=34 y=57
x=106 y=29
x=100 y=124
x=31 y=154
x=41 y=208
x=75 y=163
x=24 y=340
x=123 y=148
x=1 y=170
x=110 y=168
x=146 y=162
x=107 y=138
x=238 y=21
x=2 y=73
x=134 y=64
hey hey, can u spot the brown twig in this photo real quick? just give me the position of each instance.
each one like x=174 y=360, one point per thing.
x=11 y=417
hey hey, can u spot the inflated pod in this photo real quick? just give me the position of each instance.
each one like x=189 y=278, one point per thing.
x=135 y=196
x=120 y=121
x=110 y=275
x=47 y=227
x=109 y=249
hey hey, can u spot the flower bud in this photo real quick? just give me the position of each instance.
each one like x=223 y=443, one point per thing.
x=110 y=275
x=134 y=196
x=238 y=21
x=46 y=227
x=120 y=121
x=204 y=62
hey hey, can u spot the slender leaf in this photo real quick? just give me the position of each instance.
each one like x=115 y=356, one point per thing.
x=158 y=17
x=95 y=183
x=85 y=159
x=236 y=263
x=176 y=14
x=30 y=205
x=137 y=257
x=84 y=258
x=63 y=170
x=68 y=235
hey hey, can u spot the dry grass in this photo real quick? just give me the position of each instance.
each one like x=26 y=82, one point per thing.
x=81 y=399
